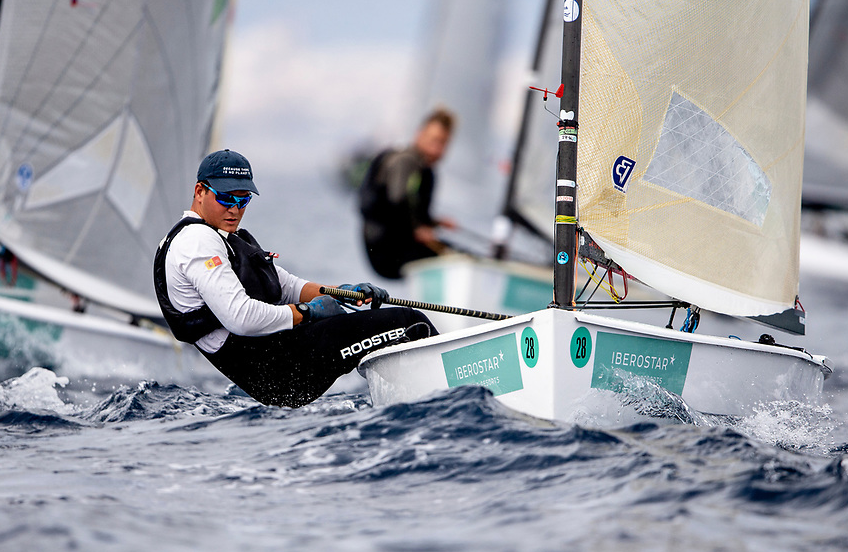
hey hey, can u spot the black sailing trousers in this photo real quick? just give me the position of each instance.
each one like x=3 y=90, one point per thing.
x=294 y=367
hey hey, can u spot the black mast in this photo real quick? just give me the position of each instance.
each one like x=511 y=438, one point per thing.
x=565 y=227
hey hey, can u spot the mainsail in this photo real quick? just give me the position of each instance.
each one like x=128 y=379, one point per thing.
x=691 y=145
x=105 y=110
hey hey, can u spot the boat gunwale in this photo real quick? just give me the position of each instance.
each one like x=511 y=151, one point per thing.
x=606 y=322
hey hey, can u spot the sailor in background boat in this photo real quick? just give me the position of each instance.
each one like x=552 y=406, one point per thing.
x=395 y=199
x=270 y=332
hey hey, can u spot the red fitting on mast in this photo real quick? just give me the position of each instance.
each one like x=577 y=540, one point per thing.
x=559 y=91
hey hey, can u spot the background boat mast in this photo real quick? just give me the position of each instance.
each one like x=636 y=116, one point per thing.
x=509 y=214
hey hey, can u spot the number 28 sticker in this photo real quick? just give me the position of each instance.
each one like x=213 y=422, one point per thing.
x=529 y=347
x=581 y=347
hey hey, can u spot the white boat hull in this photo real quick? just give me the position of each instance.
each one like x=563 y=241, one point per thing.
x=82 y=345
x=546 y=363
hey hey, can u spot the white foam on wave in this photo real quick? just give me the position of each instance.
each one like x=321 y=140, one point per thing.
x=793 y=425
x=35 y=390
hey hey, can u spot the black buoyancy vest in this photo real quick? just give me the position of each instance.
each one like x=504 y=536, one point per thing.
x=374 y=201
x=373 y=195
x=253 y=266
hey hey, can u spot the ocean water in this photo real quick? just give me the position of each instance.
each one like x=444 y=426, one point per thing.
x=90 y=463
x=165 y=467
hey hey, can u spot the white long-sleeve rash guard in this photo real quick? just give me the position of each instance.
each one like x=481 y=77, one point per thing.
x=198 y=272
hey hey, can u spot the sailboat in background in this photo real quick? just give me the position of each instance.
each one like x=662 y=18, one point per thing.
x=455 y=72
x=460 y=43
x=106 y=108
x=687 y=167
x=825 y=163
x=824 y=241
x=509 y=286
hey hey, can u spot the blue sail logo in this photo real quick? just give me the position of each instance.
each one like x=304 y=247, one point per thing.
x=621 y=171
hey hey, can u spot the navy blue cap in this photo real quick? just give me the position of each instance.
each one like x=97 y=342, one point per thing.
x=227 y=171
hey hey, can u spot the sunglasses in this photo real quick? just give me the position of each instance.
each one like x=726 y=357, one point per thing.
x=229 y=200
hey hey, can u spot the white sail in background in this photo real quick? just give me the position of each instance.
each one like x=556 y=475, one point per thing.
x=460 y=72
x=825 y=162
x=691 y=146
x=106 y=109
x=536 y=169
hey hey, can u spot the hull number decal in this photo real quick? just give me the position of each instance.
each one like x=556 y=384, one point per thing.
x=581 y=347
x=529 y=347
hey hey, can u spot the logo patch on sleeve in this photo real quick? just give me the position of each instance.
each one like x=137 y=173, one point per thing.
x=213 y=262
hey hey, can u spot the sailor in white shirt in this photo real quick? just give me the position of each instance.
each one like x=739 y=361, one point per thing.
x=270 y=332
x=190 y=279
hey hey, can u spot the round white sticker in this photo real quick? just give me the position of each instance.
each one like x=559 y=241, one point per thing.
x=570 y=11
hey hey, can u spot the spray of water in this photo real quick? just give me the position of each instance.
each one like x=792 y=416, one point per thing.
x=35 y=390
x=791 y=425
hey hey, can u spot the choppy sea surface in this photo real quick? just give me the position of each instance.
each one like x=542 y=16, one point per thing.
x=166 y=467
x=136 y=464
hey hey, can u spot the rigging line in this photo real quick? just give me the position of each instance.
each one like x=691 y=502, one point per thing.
x=589 y=279
x=30 y=62
x=593 y=292
x=614 y=306
x=609 y=290
x=649 y=303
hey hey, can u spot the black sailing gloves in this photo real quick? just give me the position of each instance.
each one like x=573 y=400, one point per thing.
x=377 y=295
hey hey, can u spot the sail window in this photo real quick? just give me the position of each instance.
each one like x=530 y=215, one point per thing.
x=135 y=176
x=82 y=172
x=698 y=158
